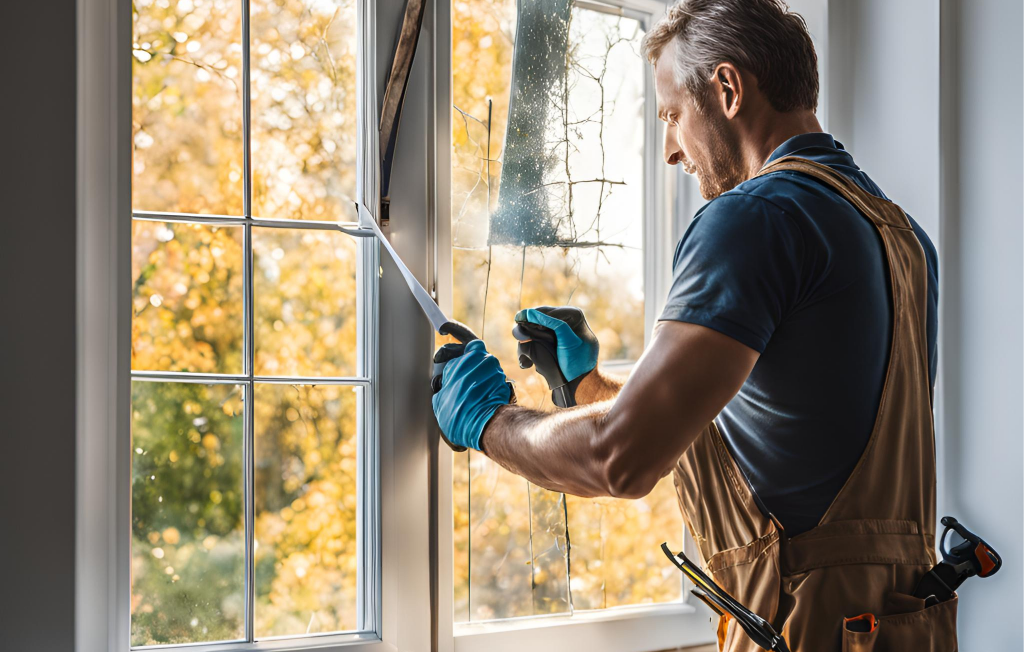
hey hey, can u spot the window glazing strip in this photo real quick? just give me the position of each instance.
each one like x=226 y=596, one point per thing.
x=354 y=229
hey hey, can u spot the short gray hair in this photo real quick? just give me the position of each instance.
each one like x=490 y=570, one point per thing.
x=762 y=37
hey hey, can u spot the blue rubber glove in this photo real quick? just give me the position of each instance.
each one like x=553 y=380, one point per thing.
x=473 y=387
x=576 y=346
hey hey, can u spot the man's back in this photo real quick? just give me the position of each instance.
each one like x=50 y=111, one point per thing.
x=790 y=269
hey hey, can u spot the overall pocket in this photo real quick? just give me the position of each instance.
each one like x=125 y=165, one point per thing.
x=931 y=629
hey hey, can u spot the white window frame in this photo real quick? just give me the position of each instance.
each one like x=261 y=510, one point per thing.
x=641 y=628
x=397 y=590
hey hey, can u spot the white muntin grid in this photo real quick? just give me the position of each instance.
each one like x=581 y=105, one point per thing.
x=368 y=616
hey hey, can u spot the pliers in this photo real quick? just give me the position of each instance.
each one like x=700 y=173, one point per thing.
x=757 y=628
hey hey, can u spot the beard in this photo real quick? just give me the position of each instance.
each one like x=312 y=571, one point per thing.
x=717 y=163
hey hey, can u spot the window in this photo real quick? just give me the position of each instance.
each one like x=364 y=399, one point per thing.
x=253 y=338
x=266 y=486
x=521 y=551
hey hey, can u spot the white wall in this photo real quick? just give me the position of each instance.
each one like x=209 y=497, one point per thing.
x=927 y=95
x=883 y=97
x=983 y=315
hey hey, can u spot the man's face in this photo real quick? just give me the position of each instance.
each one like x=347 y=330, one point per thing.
x=702 y=141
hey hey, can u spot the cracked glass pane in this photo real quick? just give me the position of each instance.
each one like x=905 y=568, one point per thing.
x=500 y=576
x=548 y=207
x=549 y=551
x=616 y=549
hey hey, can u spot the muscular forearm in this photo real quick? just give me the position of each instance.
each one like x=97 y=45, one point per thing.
x=559 y=451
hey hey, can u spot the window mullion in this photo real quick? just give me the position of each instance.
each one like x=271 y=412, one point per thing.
x=246 y=116
x=249 y=435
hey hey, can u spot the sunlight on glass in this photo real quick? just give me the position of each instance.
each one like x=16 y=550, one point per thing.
x=512 y=552
x=187 y=106
x=186 y=297
x=188 y=550
x=304 y=109
x=306 y=499
x=511 y=558
x=305 y=286
x=616 y=549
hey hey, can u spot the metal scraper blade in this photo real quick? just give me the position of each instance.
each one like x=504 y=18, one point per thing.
x=433 y=313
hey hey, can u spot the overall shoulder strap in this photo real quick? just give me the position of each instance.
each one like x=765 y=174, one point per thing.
x=876 y=209
x=894 y=480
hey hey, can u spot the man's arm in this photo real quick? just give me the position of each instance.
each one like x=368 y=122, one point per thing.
x=624 y=446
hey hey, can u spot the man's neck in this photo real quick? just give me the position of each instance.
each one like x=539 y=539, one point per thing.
x=770 y=130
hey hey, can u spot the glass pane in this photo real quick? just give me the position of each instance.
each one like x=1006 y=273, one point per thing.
x=517 y=558
x=187 y=297
x=306 y=500
x=305 y=285
x=304 y=109
x=593 y=189
x=460 y=499
x=188 y=549
x=616 y=549
x=187 y=106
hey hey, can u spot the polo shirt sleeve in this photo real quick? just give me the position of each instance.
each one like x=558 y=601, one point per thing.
x=737 y=269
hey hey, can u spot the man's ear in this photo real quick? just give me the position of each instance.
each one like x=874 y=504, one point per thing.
x=727 y=89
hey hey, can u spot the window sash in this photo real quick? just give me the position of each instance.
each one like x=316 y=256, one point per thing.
x=369 y=569
x=634 y=628
x=401 y=431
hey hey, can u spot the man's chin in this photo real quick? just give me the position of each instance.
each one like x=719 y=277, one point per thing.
x=709 y=190
x=712 y=186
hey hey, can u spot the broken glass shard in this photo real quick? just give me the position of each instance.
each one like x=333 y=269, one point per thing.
x=524 y=214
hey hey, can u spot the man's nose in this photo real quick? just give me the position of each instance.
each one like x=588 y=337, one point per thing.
x=673 y=152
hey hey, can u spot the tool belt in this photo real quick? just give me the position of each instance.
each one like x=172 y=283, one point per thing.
x=964 y=555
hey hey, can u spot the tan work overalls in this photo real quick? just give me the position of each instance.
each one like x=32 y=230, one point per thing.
x=878 y=537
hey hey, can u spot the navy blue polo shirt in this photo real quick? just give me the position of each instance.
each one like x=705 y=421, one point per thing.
x=787 y=267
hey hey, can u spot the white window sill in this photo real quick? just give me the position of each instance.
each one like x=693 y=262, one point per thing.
x=625 y=629
x=357 y=642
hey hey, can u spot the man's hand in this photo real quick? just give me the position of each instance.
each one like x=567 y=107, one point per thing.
x=560 y=344
x=469 y=386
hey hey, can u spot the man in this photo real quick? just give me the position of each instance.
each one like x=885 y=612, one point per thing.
x=787 y=386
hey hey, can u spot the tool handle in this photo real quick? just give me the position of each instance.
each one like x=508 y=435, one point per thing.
x=458 y=330
x=973 y=555
x=541 y=352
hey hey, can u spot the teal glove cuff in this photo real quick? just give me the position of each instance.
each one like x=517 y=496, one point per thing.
x=575 y=356
x=473 y=387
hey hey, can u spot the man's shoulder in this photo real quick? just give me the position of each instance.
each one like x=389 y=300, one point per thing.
x=785 y=189
x=801 y=198
x=737 y=225
x=750 y=197
x=750 y=204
